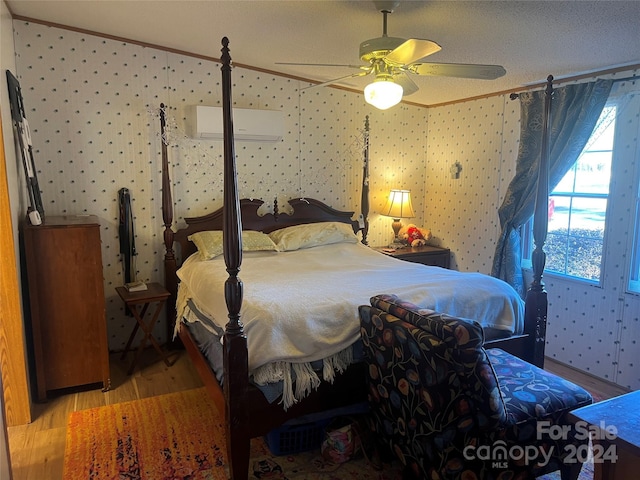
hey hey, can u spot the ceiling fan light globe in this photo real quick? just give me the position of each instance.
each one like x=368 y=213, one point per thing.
x=383 y=94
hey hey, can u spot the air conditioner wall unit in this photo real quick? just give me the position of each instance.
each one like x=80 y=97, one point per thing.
x=248 y=124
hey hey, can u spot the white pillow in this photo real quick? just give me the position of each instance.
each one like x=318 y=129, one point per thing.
x=209 y=243
x=313 y=235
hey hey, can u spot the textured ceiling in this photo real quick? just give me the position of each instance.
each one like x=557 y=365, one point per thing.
x=531 y=39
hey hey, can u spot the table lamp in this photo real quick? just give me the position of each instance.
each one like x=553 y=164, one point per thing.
x=398 y=206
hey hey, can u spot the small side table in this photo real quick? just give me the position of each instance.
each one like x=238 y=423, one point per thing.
x=138 y=303
x=616 y=425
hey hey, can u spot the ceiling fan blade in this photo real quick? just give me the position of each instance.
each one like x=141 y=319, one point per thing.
x=407 y=84
x=321 y=65
x=483 y=72
x=336 y=80
x=411 y=51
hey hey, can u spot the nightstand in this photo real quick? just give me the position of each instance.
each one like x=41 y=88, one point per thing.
x=138 y=303
x=426 y=254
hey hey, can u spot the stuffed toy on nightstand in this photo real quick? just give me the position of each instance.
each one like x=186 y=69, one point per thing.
x=415 y=236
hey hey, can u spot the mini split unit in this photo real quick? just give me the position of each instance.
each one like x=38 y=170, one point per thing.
x=249 y=125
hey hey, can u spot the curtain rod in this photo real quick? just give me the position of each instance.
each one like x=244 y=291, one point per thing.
x=616 y=80
x=513 y=96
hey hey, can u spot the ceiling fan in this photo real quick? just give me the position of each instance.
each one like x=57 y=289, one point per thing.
x=393 y=60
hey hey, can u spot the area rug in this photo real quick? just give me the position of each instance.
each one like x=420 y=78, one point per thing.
x=165 y=437
x=181 y=436
x=587 y=473
x=312 y=466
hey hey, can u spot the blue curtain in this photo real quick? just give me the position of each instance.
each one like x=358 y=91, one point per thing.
x=574 y=113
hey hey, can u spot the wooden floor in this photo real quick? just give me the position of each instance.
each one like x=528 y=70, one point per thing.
x=600 y=389
x=37 y=449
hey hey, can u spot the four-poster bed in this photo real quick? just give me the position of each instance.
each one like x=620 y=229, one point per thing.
x=247 y=412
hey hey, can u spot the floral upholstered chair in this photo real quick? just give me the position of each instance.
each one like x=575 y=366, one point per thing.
x=449 y=409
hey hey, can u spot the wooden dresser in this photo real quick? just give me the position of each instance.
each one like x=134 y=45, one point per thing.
x=66 y=298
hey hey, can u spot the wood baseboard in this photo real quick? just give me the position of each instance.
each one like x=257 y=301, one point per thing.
x=600 y=387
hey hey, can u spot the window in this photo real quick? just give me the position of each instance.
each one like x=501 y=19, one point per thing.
x=634 y=276
x=578 y=207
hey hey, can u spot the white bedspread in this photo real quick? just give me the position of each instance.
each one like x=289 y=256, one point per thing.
x=302 y=306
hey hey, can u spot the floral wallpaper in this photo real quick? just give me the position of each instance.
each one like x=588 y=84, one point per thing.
x=93 y=108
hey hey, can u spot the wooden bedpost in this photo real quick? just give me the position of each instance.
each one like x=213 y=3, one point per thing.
x=235 y=341
x=364 y=201
x=536 y=299
x=170 y=279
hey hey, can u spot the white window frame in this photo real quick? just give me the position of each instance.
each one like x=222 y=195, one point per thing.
x=633 y=275
x=526 y=231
